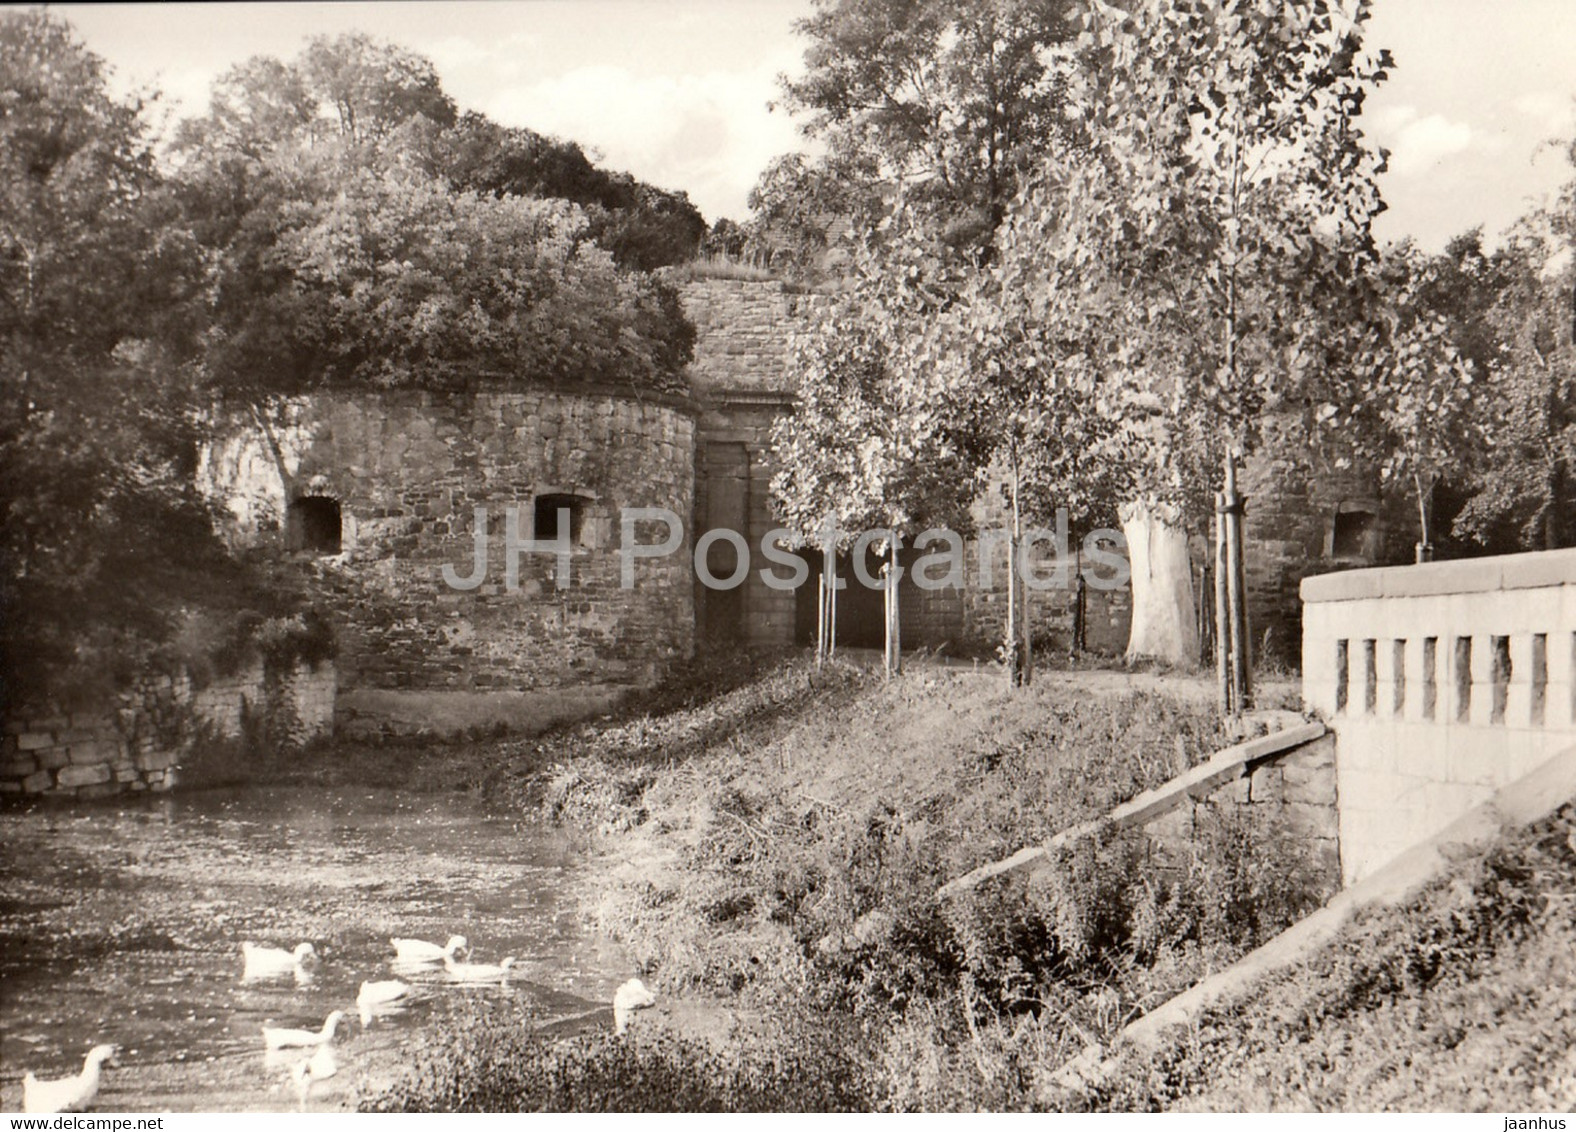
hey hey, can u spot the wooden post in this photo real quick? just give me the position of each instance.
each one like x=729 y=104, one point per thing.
x=1028 y=637
x=1010 y=642
x=1236 y=595
x=1080 y=603
x=894 y=642
x=820 y=615
x=1222 y=617
x=831 y=610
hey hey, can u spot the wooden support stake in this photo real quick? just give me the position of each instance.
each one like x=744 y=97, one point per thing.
x=820 y=615
x=1222 y=617
x=1235 y=591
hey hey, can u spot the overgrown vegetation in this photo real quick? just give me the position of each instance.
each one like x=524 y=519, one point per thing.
x=332 y=220
x=782 y=843
x=492 y=1061
x=1463 y=999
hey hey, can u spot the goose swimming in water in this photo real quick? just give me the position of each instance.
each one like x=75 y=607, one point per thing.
x=278 y=1038
x=478 y=972
x=420 y=951
x=69 y=1094
x=630 y=997
x=261 y=962
x=379 y=994
x=319 y=1067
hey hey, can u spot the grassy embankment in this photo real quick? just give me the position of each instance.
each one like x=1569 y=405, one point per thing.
x=779 y=844
x=1464 y=999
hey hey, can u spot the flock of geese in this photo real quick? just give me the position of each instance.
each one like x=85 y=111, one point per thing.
x=317 y=1061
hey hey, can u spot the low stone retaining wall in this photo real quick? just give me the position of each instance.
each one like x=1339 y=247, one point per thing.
x=1288 y=773
x=139 y=743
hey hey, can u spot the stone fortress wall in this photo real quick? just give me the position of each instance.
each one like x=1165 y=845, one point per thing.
x=376 y=493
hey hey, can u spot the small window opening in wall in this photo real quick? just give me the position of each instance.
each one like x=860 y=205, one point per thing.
x=1540 y=677
x=1463 y=675
x=1398 y=671
x=1354 y=529
x=1342 y=674
x=1430 y=676
x=547 y=517
x=313 y=523
x=1501 y=679
x=1370 y=675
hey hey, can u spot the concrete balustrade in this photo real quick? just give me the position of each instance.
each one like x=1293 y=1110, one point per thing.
x=1443 y=683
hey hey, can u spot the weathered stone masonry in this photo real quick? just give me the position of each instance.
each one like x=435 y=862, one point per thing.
x=407 y=472
x=140 y=742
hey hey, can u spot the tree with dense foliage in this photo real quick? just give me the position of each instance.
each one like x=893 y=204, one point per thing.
x=1205 y=242
x=1408 y=402
x=867 y=445
x=357 y=232
x=1033 y=412
x=1526 y=488
x=99 y=326
x=643 y=226
x=945 y=104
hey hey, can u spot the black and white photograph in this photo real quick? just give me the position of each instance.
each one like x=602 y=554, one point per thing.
x=867 y=556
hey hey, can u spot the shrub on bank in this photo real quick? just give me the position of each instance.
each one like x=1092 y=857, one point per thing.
x=1462 y=999
x=491 y=1060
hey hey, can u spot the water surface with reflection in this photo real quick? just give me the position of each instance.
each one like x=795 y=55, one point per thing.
x=123 y=922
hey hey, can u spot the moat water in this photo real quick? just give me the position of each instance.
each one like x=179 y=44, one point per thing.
x=123 y=923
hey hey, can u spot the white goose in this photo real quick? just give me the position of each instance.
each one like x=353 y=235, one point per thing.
x=420 y=951
x=275 y=1037
x=379 y=994
x=319 y=1067
x=261 y=962
x=630 y=997
x=478 y=972
x=69 y=1094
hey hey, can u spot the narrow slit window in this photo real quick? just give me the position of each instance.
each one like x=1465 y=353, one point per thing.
x=1501 y=679
x=1463 y=675
x=1370 y=676
x=1539 y=684
x=314 y=523
x=1430 y=676
x=1342 y=673
x=1398 y=672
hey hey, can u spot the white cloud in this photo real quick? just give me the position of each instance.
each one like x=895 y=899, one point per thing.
x=1554 y=112
x=706 y=133
x=1417 y=144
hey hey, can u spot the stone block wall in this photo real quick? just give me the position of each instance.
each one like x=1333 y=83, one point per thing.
x=408 y=471
x=1295 y=787
x=742 y=327
x=138 y=743
x=1294 y=498
x=1443 y=682
x=1107 y=609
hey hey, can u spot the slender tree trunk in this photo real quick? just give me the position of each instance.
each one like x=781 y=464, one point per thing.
x=1425 y=548
x=1163 y=624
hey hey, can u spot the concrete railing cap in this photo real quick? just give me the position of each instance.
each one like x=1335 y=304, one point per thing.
x=1469 y=575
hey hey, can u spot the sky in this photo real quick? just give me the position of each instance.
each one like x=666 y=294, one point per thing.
x=677 y=91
